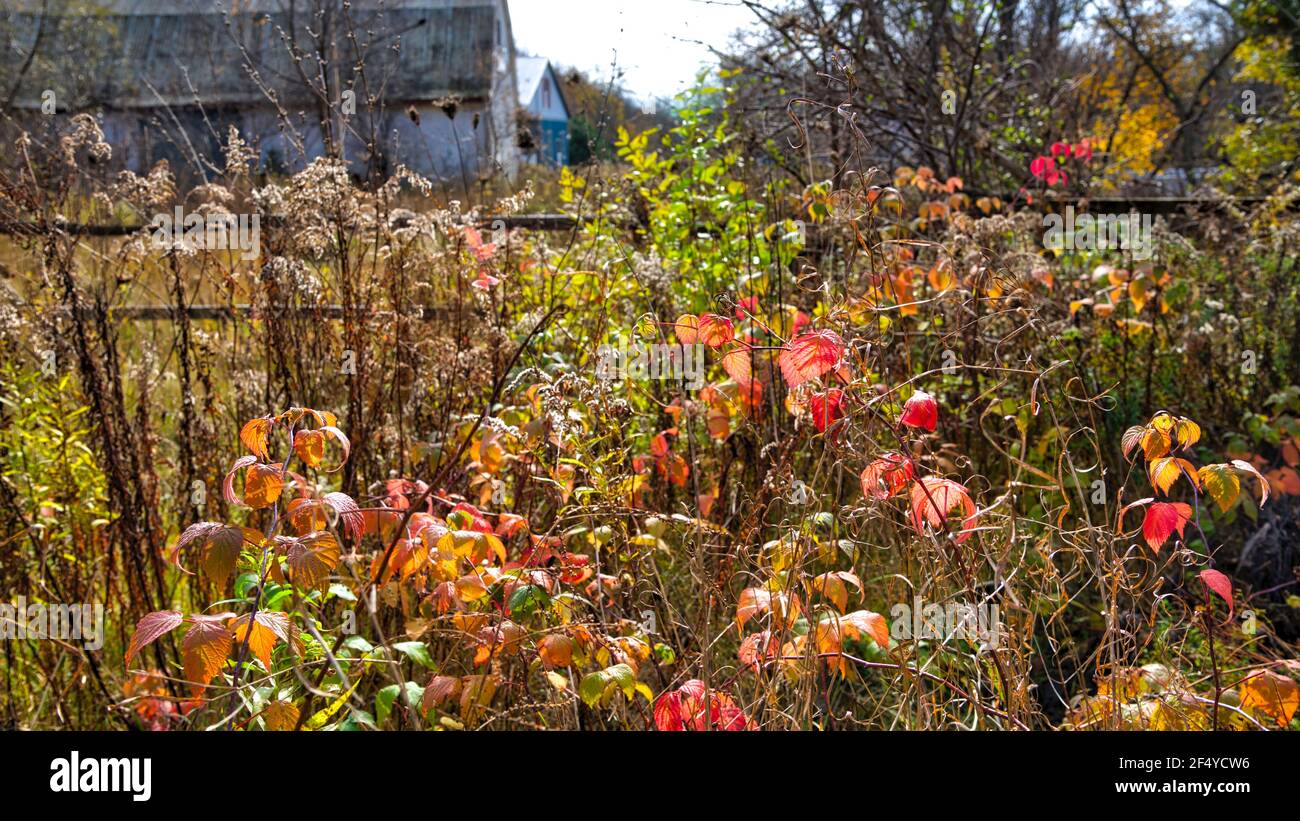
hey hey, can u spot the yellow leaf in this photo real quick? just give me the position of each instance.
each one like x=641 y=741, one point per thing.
x=1222 y=485
x=321 y=717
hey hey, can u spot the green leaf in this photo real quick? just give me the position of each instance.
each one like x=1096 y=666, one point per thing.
x=387 y=697
x=526 y=600
x=341 y=592
x=417 y=652
x=359 y=644
x=592 y=687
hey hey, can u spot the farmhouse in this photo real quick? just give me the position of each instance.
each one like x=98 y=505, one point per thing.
x=429 y=84
x=542 y=100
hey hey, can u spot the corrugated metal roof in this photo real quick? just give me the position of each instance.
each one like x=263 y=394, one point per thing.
x=144 y=53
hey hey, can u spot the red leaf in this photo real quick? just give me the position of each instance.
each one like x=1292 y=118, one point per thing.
x=659 y=445
x=827 y=408
x=472 y=519
x=934 y=498
x=1162 y=519
x=1218 y=583
x=745 y=306
x=687 y=708
x=809 y=356
x=921 y=411
x=758 y=649
x=886 y=476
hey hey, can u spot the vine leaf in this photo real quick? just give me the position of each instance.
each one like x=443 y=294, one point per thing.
x=1274 y=695
x=1164 y=471
x=715 y=331
x=1162 y=520
x=687 y=329
x=205 y=649
x=149 y=628
x=933 y=499
x=255 y=435
x=261 y=632
x=263 y=484
x=1219 y=584
x=834 y=586
x=738 y=365
x=827 y=408
x=886 y=476
x=281 y=715
x=351 y=516
x=810 y=355
x=312 y=557
x=834 y=630
x=1221 y=484
x=921 y=411
x=221 y=545
x=310 y=446
x=756 y=600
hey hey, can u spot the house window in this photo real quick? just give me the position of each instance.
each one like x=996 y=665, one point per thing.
x=546 y=92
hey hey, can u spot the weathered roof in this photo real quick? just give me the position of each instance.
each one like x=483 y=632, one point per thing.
x=529 y=72
x=146 y=53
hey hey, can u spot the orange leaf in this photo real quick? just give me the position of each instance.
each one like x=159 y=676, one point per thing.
x=886 y=476
x=738 y=365
x=756 y=600
x=834 y=586
x=206 y=647
x=255 y=434
x=555 y=650
x=687 y=329
x=280 y=715
x=310 y=445
x=267 y=627
x=312 y=557
x=933 y=499
x=1274 y=695
x=715 y=331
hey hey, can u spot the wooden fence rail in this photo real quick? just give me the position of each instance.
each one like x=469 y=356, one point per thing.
x=565 y=222
x=228 y=313
x=530 y=222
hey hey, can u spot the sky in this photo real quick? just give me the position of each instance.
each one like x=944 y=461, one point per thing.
x=659 y=44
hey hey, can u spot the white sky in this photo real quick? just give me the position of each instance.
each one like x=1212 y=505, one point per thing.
x=659 y=44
